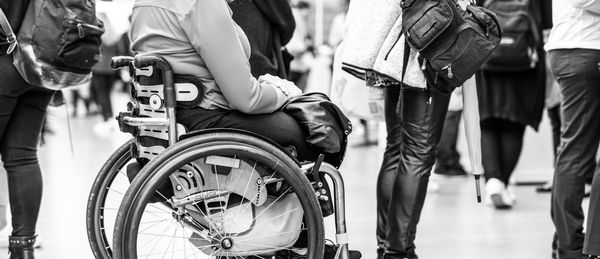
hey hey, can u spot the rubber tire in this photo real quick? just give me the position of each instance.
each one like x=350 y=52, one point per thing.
x=99 y=243
x=187 y=150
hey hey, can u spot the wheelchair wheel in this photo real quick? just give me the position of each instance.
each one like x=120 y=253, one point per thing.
x=105 y=197
x=232 y=196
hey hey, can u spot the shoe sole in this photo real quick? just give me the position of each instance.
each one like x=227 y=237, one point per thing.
x=499 y=203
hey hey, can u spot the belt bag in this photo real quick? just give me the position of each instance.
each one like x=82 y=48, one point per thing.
x=452 y=43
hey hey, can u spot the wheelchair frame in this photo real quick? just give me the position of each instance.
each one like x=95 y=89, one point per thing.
x=170 y=103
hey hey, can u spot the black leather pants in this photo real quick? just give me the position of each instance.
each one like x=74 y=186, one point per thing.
x=415 y=119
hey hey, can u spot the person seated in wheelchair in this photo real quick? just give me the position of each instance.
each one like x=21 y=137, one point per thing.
x=199 y=38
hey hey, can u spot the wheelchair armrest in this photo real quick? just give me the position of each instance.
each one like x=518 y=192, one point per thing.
x=120 y=62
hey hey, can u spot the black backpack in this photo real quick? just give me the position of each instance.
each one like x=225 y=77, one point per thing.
x=518 y=47
x=452 y=43
x=58 y=42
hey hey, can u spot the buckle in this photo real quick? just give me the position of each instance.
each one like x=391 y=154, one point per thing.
x=11 y=38
x=12 y=41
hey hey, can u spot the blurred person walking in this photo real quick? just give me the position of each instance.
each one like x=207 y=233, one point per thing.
x=510 y=100
x=300 y=46
x=104 y=77
x=574 y=54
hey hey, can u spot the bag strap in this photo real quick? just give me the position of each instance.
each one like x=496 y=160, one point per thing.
x=10 y=35
x=405 y=60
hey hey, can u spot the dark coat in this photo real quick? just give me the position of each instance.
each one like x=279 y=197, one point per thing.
x=517 y=96
x=269 y=25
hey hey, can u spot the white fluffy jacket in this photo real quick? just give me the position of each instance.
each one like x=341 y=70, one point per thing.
x=372 y=43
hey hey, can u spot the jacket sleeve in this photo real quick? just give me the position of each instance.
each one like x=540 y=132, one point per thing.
x=279 y=13
x=591 y=5
x=212 y=32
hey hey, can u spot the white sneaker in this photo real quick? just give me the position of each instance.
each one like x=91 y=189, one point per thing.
x=497 y=195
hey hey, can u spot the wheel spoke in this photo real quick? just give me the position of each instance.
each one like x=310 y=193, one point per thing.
x=246 y=190
x=156 y=237
x=148 y=227
x=255 y=195
x=282 y=194
x=115 y=191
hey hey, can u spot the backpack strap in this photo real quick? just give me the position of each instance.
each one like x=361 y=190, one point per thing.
x=10 y=39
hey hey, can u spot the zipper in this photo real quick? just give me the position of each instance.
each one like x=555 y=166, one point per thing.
x=80 y=30
x=449 y=68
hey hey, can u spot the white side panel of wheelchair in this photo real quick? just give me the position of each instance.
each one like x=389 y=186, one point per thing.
x=147 y=111
x=160 y=132
x=184 y=92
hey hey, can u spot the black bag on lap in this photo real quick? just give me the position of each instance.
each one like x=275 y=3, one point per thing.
x=326 y=126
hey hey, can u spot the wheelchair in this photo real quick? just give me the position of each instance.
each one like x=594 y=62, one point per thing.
x=212 y=193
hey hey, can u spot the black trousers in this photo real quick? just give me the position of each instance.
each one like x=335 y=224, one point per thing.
x=501 y=142
x=577 y=73
x=415 y=119
x=448 y=156
x=22 y=113
x=277 y=126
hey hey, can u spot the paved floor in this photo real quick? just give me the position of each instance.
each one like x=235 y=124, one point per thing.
x=452 y=226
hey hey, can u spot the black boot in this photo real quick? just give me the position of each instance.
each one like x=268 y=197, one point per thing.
x=21 y=247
